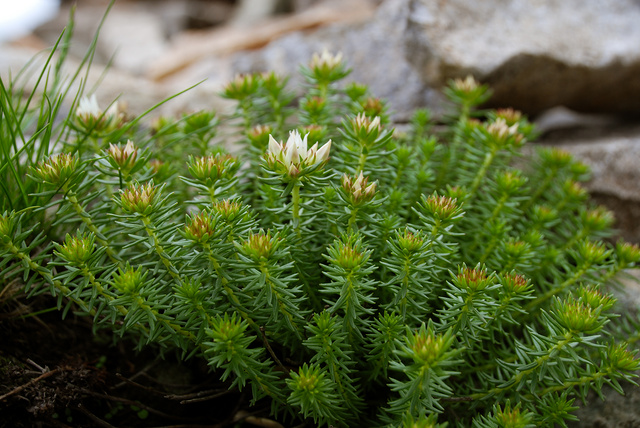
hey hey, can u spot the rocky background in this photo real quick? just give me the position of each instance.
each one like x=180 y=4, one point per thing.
x=573 y=66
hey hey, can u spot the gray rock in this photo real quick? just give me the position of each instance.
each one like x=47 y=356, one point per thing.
x=616 y=411
x=614 y=163
x=535 y=55
x=376 y=52
x=613 y=154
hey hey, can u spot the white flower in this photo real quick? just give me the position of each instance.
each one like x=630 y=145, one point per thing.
x=500 y=130
x=91 y=117
x=327 y=60
x=467 y=85
x=362 y=121
x=295 y=152
x=89 y=107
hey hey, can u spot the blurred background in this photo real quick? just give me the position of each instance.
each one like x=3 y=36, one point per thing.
x=573 y=66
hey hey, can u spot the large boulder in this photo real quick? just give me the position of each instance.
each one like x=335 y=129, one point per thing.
x=535 y=54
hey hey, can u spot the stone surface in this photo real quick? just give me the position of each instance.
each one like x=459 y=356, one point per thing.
x=375 y=50
x=617 y=411
x=613 y=160
x=193 y=47
x=535 y=55
x=613 y=154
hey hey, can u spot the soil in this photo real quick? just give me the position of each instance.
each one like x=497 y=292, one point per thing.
x=59 y=373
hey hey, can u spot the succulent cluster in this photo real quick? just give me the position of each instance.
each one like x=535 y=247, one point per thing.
x=355 y=275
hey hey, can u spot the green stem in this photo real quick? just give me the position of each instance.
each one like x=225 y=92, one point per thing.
x=282 y=307
x=482 y=172
x=494 y=216
x=212 y=194
x=86 y=219
x=567 y=283
x=351 y=225
x=515 y=380
x=449 y=160
x=489 y=249
x=225 y=285
x=46 y=275
x=581 y=381
x=540 y=190
x=295 y=208
x=362 y=162
x=166 y=261
x=142 y=304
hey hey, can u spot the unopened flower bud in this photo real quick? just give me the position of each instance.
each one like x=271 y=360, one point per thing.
x=597 y=219
x=6 y=226
x=468 y=91
x=241 y=87
x=620 y=358
x=426 y=347
x=129 y=280
x=77 y=250
x=139 y=198
x=554 y=158
x=314 y=106
x=576 y=316
x=442 y=207
x=510 y=115
x=259 y=136
x=627 y=254
x=349 y=255
x=510 y=182
x=358 y=189
x=314 y=132
x=468 y=85
x=574 y=191
x=365 y=127
x=411 y=241
x=475 y=279
x=373 y=107
x=200 y=227
x=124 y=157
x=594 y=298
x=515 y=417
x=259 y=246
x=57 y=170
x=501 y=133
x=593 y=252
x=515 y=283
x=226 y=209
x=210 y=169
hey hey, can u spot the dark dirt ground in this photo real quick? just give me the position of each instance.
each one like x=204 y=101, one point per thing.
x=58 y=373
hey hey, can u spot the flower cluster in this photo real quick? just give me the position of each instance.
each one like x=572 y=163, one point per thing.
x=294 y=159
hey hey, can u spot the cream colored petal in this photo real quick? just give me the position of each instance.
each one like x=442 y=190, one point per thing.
x=323 y=152
x=274 y=147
